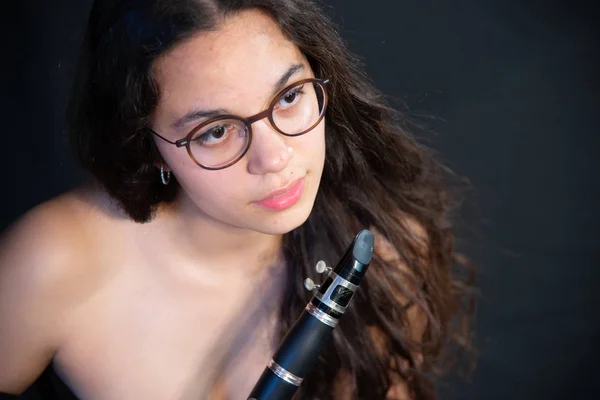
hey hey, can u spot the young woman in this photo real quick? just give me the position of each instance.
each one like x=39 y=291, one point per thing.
x=233 y=144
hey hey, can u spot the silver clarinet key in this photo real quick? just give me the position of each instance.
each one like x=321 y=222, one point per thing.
x=309 y=284
x=322 y=267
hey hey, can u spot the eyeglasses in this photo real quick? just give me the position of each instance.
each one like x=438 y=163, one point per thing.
x=220 y=142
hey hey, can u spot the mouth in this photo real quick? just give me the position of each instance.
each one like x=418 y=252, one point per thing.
x=282 y=192
x=284 y=198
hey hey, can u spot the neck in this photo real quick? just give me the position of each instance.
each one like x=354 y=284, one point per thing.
x=232 y=248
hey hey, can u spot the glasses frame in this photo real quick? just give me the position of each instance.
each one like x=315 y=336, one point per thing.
x=268 y=113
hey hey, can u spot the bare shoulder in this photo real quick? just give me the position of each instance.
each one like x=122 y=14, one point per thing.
x=40 y=242
x=48 y=238
x=44 y=274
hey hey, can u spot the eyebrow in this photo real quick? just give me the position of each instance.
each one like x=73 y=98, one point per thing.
x=195 y=115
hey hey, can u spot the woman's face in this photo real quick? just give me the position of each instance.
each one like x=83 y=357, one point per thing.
x=236 y=70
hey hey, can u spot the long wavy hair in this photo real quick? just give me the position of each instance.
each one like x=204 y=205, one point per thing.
x=376 y=175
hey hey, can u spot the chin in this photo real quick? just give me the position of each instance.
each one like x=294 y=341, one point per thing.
x=284 y=221
x=280 y=222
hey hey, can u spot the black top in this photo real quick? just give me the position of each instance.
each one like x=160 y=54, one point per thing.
x=48 y=386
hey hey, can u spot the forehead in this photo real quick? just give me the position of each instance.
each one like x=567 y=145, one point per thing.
x=242 y=59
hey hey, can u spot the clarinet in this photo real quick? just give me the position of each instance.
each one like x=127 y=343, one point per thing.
x=302 y=345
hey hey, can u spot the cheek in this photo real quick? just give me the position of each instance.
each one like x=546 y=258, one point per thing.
x=210 y=190
x=311 y=144
x=208 y=186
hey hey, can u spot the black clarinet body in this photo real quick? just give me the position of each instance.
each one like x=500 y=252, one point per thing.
x=302 y=345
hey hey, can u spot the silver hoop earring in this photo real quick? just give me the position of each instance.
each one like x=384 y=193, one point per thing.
x=165 y=176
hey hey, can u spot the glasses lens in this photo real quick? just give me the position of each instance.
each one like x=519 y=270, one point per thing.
x=300 y=108
x=220 y=142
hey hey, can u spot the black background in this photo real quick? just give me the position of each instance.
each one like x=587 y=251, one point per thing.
x=514 y=87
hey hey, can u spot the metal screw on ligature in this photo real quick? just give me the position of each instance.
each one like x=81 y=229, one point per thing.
x=322 y=267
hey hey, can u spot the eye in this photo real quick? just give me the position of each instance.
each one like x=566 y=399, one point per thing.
x=290 y=97
x=216 y=134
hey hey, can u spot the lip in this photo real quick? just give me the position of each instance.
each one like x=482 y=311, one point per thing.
x=284 y=198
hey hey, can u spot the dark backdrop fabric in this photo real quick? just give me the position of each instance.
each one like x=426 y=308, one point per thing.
x=513 y=87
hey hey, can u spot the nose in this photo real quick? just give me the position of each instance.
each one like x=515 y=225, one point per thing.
x=269 y=151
